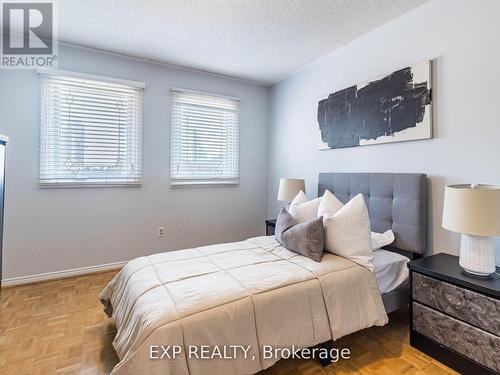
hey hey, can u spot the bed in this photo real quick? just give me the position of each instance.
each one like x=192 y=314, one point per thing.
x=396 y=201
x=174 y=310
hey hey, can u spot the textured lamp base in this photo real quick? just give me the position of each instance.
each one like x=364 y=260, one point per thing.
x=477 y=255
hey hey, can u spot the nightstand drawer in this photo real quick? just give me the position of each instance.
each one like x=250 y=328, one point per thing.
x=270 y=226
x=474 y=343
x=471 y=307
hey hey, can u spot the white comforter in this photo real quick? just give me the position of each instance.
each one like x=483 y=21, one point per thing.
x=253 y=292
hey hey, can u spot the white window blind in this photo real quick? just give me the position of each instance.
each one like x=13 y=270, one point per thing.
x=204 y=139
x=90 y=132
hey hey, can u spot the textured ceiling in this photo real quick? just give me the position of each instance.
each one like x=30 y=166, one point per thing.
x=258 y=40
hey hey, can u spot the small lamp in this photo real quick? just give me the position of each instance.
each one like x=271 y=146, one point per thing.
x=474 y=211
x=289 y=188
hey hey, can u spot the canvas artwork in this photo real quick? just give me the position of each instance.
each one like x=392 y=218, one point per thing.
x=394 y=108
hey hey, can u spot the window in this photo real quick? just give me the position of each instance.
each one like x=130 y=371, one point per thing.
x=90 y=131
x=204 y=139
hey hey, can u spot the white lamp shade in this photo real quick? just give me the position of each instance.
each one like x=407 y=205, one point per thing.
x=289 y=188
x=472 y=209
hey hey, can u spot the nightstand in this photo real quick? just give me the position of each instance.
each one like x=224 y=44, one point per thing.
x=270 y=225
x=455 y=317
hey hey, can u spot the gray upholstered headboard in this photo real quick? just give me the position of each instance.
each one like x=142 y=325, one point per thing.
x=396 y=201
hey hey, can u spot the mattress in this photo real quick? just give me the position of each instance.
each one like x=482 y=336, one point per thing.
x=390 y=270
x=254 y=293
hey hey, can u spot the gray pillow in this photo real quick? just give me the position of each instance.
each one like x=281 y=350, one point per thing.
x=307 y=238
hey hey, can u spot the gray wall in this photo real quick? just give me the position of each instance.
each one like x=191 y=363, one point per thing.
x=462 y=37
x=56 y=229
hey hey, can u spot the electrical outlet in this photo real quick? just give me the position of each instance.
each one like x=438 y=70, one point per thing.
x=161 y=232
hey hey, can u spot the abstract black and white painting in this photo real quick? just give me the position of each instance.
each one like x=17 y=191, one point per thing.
x=394 y=108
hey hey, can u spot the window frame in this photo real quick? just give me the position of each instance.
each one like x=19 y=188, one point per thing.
x=200 y=182
x=80 y=183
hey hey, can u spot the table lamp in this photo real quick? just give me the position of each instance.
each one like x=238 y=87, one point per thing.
x=474 y=211
x=289 y=188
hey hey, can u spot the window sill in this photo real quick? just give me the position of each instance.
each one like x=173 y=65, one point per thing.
x=66 y=185
x=195 y=183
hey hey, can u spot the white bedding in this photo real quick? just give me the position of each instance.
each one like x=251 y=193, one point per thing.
x=390 y=269
x=253 y=292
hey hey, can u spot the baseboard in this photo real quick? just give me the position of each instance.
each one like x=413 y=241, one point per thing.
x=30 y=279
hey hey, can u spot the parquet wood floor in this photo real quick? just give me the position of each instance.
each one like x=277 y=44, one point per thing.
x=58 y=327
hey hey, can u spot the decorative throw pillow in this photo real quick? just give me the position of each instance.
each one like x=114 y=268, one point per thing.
x=380 y=240
x=302 y=209
x=307 y=238
x=330 y=204
x=347 y=232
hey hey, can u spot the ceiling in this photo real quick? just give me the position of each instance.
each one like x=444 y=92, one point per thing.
x=257 y=40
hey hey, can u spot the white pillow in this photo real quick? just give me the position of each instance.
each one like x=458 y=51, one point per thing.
x=380 y=240
x=303 y=210
x=347 y=232
x=330 y=204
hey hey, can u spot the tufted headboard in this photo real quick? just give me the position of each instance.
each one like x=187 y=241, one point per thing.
x=396 y=201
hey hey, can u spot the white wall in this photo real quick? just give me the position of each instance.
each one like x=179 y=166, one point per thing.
x=462 y=37
x=56 y=229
